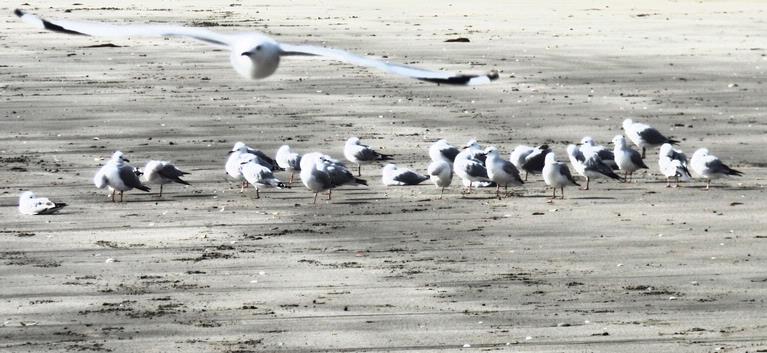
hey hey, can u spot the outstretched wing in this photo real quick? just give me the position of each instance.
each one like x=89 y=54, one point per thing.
x=409 y=71
x=97 y=29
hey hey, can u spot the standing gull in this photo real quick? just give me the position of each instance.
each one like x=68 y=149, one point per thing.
x=118 y=176
x=628 y=160
x=469 y=169
x=29 y=204
x=710 y=167
x=535 y=161
x=253 y=55
x=589 y=147
x=673 y=163
x=288 y=160
x=501 y=171
x=441 y=174
x=392 y=175
x=313 y=174
x=357 y=153
x=518 y=156
x=163 y=172
x=589 y=167
x=443 y=151
x=557 y=175
x=233 y=163
x=321 y=173
x=643 y=135
x=258 y=175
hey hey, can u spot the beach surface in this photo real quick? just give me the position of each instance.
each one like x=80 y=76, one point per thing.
x=619 y=268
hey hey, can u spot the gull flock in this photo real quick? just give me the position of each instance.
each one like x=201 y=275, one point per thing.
x=475 y=166
x=256 y=56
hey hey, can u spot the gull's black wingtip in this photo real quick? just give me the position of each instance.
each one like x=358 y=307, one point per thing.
x=18 y=13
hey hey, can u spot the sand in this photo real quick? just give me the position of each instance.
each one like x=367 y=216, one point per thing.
x=619 y=268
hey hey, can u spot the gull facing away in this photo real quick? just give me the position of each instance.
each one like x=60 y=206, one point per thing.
x=518 y=156
x=628 y=160
x=321 y=173
x=253 y=55
x=118 y=175
x=589 y=167
x=501 y=171
x=392 y=175
x=443 y=151
x=29 y=204
x=288 y=160
x=441 y=174
x=643 y=135
x=673 y=164
x=258 y=175
x=710 y=167
x=357 y=153
x=557 y=175
x=163 y=172
x=233 y=164
x=535 y=161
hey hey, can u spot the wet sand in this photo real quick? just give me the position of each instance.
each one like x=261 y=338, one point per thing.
x=619 y=268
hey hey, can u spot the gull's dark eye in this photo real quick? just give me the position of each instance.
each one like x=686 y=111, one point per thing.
x=258 y=47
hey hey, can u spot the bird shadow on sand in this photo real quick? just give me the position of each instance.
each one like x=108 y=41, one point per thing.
x=188 y=196
x=591 y=198
x=354 y=201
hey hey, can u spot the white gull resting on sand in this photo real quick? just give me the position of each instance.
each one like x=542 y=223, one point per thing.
x=673 y=164
x=628 y=160
x=392 y=175
x=710 y=167
x=258 y=175
x=441 y=174
x=30 y=204
x=357 y=153
x=118 y=176
x=253 y=55
x=501 y=171
x=288 y=160
x=556 y=175
x=163 y=172
x=643 y=135
x=589 y=167
x=443 y=151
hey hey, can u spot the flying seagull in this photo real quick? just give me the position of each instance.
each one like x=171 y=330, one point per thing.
x=253 y=55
